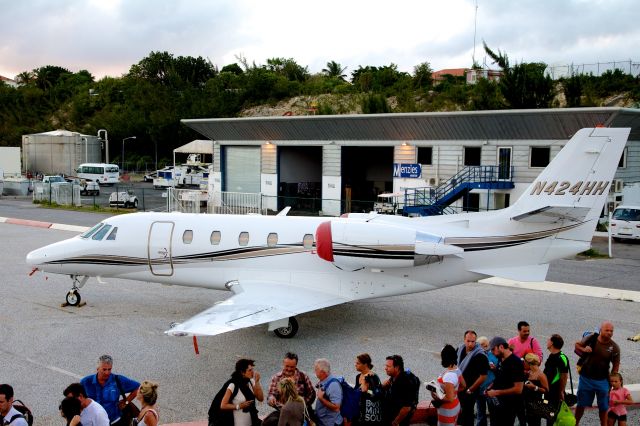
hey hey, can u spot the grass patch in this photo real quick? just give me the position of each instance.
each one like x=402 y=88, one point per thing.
x=88 y=209
x=593 y=253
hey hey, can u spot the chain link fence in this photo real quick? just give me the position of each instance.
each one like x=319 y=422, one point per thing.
x=597 y=69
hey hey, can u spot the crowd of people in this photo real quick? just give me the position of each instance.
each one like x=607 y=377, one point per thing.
x=506 y=377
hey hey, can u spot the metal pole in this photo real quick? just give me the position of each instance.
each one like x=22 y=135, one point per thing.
x=609 y=232
x=106 y=144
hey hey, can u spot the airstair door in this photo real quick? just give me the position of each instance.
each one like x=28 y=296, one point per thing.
x=504 y=163
x=159 y=248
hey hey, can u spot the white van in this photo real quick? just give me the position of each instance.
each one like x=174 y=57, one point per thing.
x=625 y=223
x=104 y=174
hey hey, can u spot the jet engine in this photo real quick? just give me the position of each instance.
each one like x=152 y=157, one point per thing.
x=356 y=245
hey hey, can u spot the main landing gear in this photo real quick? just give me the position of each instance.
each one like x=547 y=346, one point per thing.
x=289 y=331
x=73 y=296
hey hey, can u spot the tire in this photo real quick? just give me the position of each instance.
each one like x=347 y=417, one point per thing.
x=135 y=204
x=73 y=298
x=617 y=240
x=288 y=332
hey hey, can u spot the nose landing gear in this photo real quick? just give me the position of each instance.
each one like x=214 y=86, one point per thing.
x=73 y=296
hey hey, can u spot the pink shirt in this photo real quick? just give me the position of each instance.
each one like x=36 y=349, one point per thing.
x=520 y=349
x=618 y=395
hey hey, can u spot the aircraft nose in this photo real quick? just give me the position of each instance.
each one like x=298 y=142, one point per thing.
x=37 y=257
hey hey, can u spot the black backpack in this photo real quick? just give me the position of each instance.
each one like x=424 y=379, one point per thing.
x=415 y=385
x=218 y=417
x=24 y=411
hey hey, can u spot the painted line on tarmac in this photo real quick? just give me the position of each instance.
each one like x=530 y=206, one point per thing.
x=46 y=225
x=574 y=289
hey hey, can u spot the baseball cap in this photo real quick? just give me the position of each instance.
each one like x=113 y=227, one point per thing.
x=497 y=341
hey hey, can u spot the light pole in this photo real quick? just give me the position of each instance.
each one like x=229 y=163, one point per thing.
x=127 y=138
x=106 y=140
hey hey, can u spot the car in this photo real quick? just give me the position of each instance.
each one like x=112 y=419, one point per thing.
x=126 y=199
x=625 y=223
x=149 y=177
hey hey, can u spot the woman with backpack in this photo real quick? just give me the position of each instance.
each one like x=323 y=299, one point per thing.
x=241 y=394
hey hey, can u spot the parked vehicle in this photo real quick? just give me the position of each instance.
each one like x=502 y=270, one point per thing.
x=125 y=199
x=87 y=186
x=104 y=174
x=53 y=179
x=149 y=177
x=625 y=223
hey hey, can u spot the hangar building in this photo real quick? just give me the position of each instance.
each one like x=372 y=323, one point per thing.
x=347 y=160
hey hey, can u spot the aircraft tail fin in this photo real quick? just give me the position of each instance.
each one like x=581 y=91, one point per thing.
x=573 y=188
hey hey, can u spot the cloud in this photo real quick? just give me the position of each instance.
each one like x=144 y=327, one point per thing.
x=107 y=37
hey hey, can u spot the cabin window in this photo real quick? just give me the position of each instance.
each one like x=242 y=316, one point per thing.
x=272 y=239
x=243 y=238
x=472 y=155
x=307 y=241
x=112 y=235
x=91 y=231
x=540 y=156
x=215 y=238
x=425 y=155
x=187 y=236
x=101 y=233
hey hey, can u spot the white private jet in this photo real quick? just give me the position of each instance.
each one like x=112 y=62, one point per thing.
x=278 y=266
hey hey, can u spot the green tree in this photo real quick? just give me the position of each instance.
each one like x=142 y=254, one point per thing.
x=523 y=85
x=422 y=76
x=335 y=70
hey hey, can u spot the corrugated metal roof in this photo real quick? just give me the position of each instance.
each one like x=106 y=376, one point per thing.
x=539 y=124
x=197 y=146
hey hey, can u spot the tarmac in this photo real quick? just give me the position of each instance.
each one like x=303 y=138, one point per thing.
x=46 y=346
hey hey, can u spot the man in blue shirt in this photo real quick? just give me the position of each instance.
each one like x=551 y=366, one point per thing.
x=329 y=395
x=103 y=388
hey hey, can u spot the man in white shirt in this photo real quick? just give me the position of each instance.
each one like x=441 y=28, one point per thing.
x=10 y=415
x=92 y=413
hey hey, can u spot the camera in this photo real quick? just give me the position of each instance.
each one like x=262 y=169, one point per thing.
x=527 y=382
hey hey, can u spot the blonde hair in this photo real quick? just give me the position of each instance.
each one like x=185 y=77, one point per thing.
x=288 y=391
x=149 y=392
x=532 y=359
x=482 y=340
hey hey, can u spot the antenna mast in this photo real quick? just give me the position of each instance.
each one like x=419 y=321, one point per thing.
x=475 y=27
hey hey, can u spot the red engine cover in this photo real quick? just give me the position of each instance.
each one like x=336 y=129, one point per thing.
x=324 y=241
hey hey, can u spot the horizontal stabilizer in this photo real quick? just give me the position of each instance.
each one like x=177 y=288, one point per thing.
x=255 y=303
x=554 y=214
x=518 y=273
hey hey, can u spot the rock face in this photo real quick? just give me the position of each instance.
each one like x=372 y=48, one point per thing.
x=308 y=105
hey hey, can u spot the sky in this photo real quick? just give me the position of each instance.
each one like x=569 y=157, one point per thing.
x=106 y=37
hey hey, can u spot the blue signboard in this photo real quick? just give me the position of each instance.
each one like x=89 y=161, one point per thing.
x=407 y=170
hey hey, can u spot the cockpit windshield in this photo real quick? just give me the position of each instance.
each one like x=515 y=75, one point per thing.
x=101 y=233
x=91 y=231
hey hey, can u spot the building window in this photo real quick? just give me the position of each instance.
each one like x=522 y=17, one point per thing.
x=272 y=239
x=187 y=236
x=623 y=160
x=539 y=156
x=472 y=155
x=307 y=241
x=425 y=155
x=215 y=238
x=243 y=238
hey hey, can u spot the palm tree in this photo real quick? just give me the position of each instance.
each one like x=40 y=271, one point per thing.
x=334 y=69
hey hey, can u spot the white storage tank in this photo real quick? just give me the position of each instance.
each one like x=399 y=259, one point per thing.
x=59 y=151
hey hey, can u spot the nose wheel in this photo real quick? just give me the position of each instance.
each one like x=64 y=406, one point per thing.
x=289 y=331
x=73 y=298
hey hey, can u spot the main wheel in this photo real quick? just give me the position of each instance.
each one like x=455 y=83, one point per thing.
x=289 y=331
x=73 y=298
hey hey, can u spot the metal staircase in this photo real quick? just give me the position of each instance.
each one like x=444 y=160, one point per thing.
x=431 y=201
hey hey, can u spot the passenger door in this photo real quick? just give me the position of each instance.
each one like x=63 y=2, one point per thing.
x=159 y=248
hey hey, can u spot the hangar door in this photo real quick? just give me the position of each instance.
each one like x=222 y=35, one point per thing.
x=300 y=178
x=366 y=172
x=241 y=169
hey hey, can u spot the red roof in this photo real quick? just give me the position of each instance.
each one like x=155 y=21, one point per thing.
x=456 y=72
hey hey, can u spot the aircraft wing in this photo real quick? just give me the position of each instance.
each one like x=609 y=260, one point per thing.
x=255 y=303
